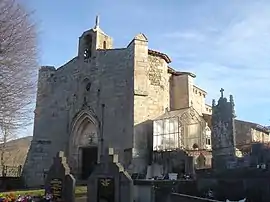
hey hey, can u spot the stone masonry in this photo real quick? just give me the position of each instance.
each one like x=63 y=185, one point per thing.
x=70 y=99
x=106 y=97
x=223 y=132
x=132 y=85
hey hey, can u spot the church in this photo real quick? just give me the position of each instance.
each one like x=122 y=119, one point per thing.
x=127 y=98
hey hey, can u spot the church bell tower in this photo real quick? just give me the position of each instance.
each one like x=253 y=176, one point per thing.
x=92 y=40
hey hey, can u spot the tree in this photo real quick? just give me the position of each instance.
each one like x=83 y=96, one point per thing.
x=18 y=68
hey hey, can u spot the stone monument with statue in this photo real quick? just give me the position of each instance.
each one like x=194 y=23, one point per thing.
x=223 y=132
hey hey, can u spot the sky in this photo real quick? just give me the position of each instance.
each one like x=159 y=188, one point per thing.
x=226 y=43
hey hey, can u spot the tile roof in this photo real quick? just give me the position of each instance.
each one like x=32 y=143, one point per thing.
x=162 y=55
x=176 y=73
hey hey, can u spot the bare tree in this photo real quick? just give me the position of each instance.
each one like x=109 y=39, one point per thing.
x=18 y=69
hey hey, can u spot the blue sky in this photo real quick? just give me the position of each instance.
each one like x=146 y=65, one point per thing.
x=226 y=43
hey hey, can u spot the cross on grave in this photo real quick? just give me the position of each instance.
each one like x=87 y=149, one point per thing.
x=222 y=91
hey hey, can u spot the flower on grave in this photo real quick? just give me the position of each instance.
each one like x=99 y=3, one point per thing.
x=48 y=197
x=26 y=198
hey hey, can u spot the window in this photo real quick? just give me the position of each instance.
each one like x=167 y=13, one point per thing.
x=88 y=47
x=208 y=141
x=88 y=86
x=104 y=45
x=166 y=134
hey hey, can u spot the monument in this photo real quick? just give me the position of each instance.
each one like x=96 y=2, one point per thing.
x=223 y=132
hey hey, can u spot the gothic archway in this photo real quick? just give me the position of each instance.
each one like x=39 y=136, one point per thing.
x=84 y=136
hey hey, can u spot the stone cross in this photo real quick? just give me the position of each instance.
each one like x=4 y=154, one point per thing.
x=97 y=22
x=222 y=91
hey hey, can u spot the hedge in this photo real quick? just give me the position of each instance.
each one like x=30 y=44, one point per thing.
x=79 y=191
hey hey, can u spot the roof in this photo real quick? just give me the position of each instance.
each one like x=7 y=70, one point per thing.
x=174 y=113
x=200 y=89
x=208 y=119
x=159 y=54
x=177 y=73
x=255 y=126
x=185 y=115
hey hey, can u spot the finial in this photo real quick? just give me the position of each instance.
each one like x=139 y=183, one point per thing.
x=97 y=22
x=221 y=91
x=213 y=103
x=231 y=99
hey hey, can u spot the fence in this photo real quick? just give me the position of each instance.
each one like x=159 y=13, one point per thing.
x=10 y=171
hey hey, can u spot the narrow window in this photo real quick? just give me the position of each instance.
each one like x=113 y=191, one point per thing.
x=88 y=86
x=104 y=45
x=88 y=46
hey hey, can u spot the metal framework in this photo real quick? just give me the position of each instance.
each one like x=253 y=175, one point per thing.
x=169 y=129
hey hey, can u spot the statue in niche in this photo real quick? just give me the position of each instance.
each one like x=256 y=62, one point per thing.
x=201 y=161
x=89 y=138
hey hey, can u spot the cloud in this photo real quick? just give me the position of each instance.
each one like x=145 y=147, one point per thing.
x=232 y=53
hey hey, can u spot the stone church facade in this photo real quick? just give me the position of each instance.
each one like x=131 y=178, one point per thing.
x=126 y=98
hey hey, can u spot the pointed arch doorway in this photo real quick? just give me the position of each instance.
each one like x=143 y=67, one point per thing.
x=84 y=146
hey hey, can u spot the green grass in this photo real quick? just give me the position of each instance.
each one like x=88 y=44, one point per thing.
x=79 y=191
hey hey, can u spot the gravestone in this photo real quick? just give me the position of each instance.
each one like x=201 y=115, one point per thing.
x=109 y=182
x=59 y=182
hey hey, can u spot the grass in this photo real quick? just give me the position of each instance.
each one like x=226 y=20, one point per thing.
x=79 y=191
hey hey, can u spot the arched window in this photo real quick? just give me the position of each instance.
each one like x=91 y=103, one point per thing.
x=104 y=45
x=86 y=82
x=195 y=146
x=88 y=86
x=88 y=46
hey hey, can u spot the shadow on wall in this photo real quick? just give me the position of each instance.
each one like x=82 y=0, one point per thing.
x=11 y=183
x=143 y=139
x=255 y=189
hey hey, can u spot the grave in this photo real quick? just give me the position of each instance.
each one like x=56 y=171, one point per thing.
x=109 y=182
x=59 y=182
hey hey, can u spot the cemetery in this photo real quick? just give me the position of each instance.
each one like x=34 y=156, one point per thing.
x=108 y=182
x=119 y=124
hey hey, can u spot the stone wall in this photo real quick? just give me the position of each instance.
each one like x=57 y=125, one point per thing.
x=242 y=134
x=198 y=99
x=151 y=98
x=180 y=91
x=79 y=88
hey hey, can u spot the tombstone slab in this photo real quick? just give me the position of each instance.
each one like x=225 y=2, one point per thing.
x=59 y=182
x=109 y=182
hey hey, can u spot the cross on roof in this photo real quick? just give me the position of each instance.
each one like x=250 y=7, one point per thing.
x=221 y=91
